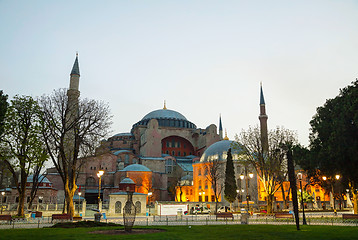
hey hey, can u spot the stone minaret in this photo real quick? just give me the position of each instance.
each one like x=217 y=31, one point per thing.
x=73 y=92
x=220 y=129
x=73 y=95
x=263 y=122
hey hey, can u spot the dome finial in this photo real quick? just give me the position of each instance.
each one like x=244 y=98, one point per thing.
x=165 y=105
x=226 y=138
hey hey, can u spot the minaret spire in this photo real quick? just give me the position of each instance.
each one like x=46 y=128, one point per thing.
x=165 y=105
x=263 y=121
x=220 y=129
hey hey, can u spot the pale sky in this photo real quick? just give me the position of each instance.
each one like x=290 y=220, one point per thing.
x=204 y=58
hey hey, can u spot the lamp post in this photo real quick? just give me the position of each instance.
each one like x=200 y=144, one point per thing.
x=149 y=195
x=299 y=176
x=247 y=177
x=337 y=177
x=2 y=197
x=79 y=202
x=99 y=175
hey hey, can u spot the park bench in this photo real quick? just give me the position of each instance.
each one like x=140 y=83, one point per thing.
x=77 y=218
x=283 y=215
x=6 y=218
x=349 y=216
x=61 y=217
x=224 y=215
x=36 y=214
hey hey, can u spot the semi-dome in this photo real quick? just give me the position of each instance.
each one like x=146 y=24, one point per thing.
x=166 y=118
x=218 y=151
x=136 y=168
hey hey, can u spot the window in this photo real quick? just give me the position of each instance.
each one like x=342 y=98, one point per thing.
x=178 y=153
x=118 y=207
x=173 y=153
x=212 y=198
x=124 y=142
x=200 y=199
x=206 y=198
x=206 y=184
x=137 y=207
x=90 y=182
x=184 y=153
x=167 y=152
x=168 y=144
x=169 y=164
x=199 y=172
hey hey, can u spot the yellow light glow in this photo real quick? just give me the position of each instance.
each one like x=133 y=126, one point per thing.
x=251 y=175
x=337 y=176
x=242 y=177
x=324 y=178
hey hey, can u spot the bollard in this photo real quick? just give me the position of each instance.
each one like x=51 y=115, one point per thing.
x=38 y=223
x=206 y=221
x=187 y=222
x=147 y=221
x=167 y=221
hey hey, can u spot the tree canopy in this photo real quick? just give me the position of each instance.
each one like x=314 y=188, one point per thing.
x=334 y=138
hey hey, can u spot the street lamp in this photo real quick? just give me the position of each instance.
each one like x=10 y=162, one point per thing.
x=2 y=196
x=99 y=175
x=79 y=202
x=247 y=177
x=337 y=177
x=149 y=205
x=299 y=176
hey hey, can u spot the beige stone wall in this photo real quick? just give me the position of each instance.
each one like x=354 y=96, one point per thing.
x=123 y=199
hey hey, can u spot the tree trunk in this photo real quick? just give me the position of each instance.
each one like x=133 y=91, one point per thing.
x=269 y=203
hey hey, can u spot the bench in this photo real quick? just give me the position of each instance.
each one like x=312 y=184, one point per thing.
x=36 y=215
x=349 y=216
x=61 y=217
x=77 y=218
x=283 y=215
x=224 y=215
x=6 y=218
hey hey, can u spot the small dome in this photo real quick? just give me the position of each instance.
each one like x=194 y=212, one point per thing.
x=127 y=181
x=218 y=151
x=136 y=168
x=164 y=114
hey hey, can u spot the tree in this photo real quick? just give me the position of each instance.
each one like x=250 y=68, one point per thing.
x=215 y=177
x=4 y=173
x=230 y=181
x=37 y=179
x=270 y=165
x=22 y=147
x=334 y=138
x=72 y=130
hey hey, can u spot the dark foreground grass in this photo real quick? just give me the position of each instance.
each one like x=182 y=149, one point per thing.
x=195 y=232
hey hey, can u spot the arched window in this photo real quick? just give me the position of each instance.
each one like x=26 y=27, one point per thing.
x=138 y=207
x=90 y=182
x=134 y=161
x=118 y=207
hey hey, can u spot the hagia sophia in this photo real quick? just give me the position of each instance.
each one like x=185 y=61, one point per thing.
x=165 y=155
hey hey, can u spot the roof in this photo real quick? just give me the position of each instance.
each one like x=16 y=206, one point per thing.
x=262 y=99
x=127 y=181
x=218 y=151
x=76 y=68
x=125 y=193
x=164 y=113
x=136 y=168
x=186 y=166
x=42 y=179
x=123 y=134
x=121 y=151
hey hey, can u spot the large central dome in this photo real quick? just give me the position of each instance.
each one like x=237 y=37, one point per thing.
x=164 y=114
x=166 y=118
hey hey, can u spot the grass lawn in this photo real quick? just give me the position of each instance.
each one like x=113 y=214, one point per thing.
x=195 y=232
